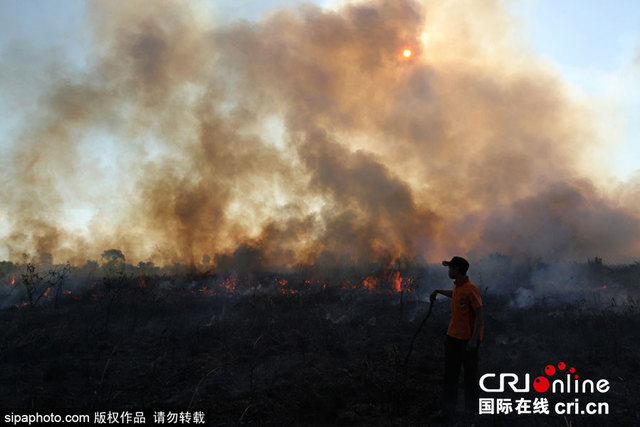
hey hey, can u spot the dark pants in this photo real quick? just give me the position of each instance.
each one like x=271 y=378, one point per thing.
x=456 y=355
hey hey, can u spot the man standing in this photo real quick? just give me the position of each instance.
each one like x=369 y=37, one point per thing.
x=463 y=337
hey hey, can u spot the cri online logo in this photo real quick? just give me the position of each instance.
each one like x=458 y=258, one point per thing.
x=559 y=383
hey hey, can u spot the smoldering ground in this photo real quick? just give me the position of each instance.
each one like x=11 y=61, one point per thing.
x=324 y=355
x=305 y=135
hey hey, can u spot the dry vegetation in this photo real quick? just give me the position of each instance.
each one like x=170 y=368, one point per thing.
x=266 y=351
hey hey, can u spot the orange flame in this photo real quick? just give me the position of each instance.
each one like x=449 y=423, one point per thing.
x=346 y=285
x=309 y=283
x=392 y=279
x=206 y=291
x=371 y=283
x=230 y=284
x=396 y=281
x=410 y=284
x=283 y=289
x=13 y=280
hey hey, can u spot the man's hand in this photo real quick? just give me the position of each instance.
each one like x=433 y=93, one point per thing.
x=433 y=296
x=441 y=292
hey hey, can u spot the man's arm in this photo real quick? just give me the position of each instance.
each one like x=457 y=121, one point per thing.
x=477 y=325
x=446 y=293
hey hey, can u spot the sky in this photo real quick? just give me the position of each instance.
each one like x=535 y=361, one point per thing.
x=587 y=53
x=595 y=46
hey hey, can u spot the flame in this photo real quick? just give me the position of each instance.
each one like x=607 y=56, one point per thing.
x=205 y=291
x=282 y=287
x=371 y=283
x=13 y=280
x=346 y=285
x=396 y=281
x=142 y=283
x=230 y=284
x=313 y=282
x=410 y=284
x=389 y=278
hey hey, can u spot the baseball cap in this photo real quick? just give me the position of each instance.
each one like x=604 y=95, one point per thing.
x=457 y=261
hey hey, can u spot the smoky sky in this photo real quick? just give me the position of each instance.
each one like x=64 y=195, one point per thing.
x=305 y=135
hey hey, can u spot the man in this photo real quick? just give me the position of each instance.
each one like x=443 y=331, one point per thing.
x=463 y=337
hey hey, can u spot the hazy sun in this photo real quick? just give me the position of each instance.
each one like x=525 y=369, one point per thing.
x=407 y=53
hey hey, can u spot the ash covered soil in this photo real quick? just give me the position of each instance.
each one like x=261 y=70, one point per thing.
x=324 y=356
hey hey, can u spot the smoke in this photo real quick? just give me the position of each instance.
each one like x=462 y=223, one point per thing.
x=566 y=220
x=307 y=137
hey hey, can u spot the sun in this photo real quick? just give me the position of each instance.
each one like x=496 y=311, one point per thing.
x=406 y=53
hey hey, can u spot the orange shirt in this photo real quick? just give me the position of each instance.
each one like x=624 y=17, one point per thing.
x=466 y=298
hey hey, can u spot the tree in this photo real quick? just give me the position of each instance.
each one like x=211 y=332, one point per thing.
x=113 y=256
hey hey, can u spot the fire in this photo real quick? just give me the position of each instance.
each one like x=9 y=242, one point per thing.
x=347 y=285
x=206 y=291
x=396 y=281
x=392 y=279
x=231 y=283
x=282 y=287
x=309 y=283
x=371 y=283
x=13 y=280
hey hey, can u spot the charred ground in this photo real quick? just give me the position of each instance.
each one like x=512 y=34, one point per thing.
x=292 y=349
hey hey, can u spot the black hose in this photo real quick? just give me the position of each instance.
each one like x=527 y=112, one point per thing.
x=413 y=339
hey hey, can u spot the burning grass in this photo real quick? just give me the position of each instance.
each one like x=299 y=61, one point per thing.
x=293 y=349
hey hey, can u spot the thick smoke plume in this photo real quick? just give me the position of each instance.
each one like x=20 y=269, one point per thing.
x=306 y=137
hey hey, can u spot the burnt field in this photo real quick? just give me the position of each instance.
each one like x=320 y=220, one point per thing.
x=294 y=349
